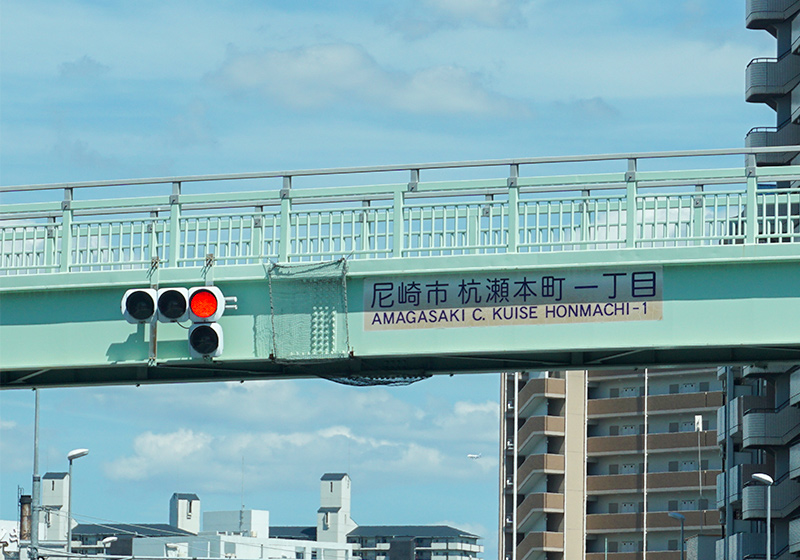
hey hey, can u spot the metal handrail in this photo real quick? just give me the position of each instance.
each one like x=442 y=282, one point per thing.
x=406 y=167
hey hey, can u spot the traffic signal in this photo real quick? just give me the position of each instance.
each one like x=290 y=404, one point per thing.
x=206 y=306
x=203 y=305
x=139 y=305
x=205 y=339
x=173 y=305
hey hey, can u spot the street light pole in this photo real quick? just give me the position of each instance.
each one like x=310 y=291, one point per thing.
x=767 y=480
x=72 y=455
x=682 y=519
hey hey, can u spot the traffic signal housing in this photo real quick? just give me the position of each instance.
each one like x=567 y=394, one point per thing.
x=205 y=340
x=202 y=305
x=206 y=306
x=139 y=305
x=173 y=305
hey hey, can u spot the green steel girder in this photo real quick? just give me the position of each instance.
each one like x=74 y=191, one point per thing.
x=726 y=304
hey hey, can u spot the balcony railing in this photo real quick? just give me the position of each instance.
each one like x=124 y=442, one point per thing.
x=629 y=522
x=536 y=542
x=537 y=504
x=785 y=499
x=537 y=427
x=656 y=403
x=766 y=427
x=666 y=481
x=738 y=476
x=764 y=14
x=735 y=411
x=542 y=464
x=610 y=445
x=768 y=78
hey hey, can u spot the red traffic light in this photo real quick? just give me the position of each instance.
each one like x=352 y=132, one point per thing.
x=206 y=304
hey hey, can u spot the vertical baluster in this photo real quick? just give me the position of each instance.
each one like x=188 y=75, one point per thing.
x=66 y=231
x=751 y=211
x=631 y=204
x=175 y=225
x=513 y=207
x=256 y=251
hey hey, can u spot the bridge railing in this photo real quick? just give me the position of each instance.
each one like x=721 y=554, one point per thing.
x=511 y=214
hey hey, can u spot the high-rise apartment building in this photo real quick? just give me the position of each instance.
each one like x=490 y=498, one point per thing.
x=605 y=463
x=759 y=433
x=774 y=81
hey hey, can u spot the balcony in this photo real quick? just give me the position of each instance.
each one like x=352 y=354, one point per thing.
x=739 y=475
x=770 y=427
x=786 y=135
x=772 y=368
x=743 y=545
x=536 y=466
x=794 y=388
x=540 y=542
x=785 y=499
x=765 y=14
x=794 y=461
x=538 y=504
x=611 y=445
x=537 y=427
x=769 y=78
x=794 y=535
x=665 y=481
x=549 y=387
x=735 y=410
x=597 y=408
x=656 y=520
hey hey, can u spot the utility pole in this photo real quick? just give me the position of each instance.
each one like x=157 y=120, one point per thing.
x=36 y=491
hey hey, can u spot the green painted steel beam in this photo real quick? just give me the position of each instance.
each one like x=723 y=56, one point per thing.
x=719 y=310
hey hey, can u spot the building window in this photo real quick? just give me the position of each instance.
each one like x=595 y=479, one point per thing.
x=299 y=554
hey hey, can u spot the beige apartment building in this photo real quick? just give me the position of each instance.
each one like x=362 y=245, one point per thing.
x=575 y=449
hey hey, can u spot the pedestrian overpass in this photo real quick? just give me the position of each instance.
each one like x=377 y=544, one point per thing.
x=400 y=272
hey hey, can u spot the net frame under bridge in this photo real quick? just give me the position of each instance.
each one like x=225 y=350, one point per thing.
x=516 y=213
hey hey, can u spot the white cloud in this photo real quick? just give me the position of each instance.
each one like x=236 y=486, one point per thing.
x=191 y=127
x=84 y=68
x=155 y=454
x=340 y=74
x=494 y=13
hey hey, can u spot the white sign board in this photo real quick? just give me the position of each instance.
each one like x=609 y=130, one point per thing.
x=490 y=299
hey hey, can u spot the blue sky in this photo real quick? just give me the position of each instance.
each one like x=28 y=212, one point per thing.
x=103 y=90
